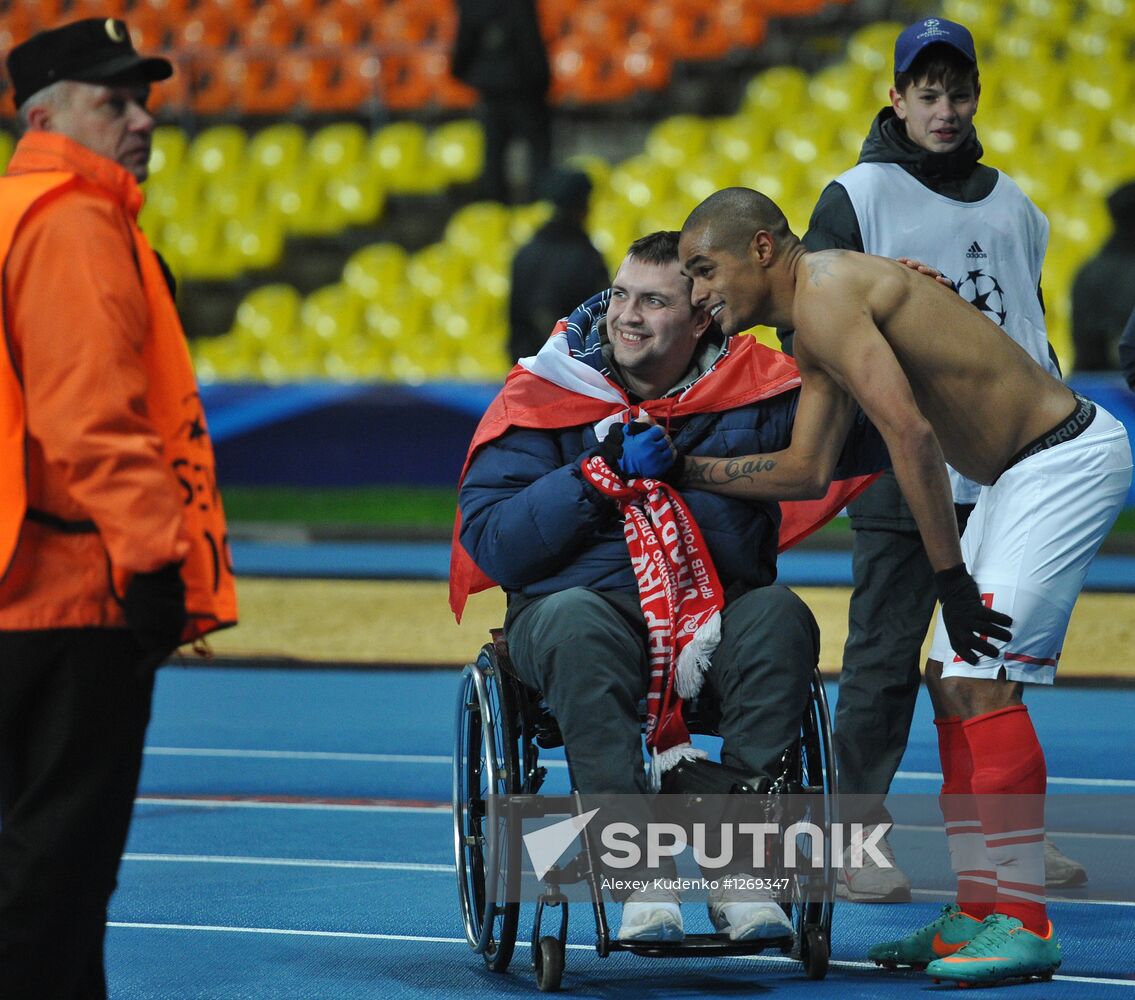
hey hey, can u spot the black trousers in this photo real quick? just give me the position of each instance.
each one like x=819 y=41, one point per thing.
x=74 y=707
x=524 y=118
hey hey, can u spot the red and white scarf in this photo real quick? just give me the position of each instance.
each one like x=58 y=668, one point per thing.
x=681 y=598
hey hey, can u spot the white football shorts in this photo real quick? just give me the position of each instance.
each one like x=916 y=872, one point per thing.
x=1030 y=540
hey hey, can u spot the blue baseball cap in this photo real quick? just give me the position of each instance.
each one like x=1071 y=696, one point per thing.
x=932 y=31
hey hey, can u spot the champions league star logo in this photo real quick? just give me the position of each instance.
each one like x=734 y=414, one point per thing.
x=983 y=291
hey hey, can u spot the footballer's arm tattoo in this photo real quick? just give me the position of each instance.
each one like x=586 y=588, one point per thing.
x=719 y=471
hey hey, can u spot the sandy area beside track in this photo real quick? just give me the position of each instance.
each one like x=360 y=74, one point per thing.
x=410 y=623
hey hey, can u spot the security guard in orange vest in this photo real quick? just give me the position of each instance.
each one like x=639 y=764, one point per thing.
x=113 y=549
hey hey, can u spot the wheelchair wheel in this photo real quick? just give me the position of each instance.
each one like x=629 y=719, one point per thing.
x=484 y=765
x=549 y=961
x=813 y=899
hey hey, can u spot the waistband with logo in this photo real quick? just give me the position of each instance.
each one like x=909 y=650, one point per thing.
x=1072 y=427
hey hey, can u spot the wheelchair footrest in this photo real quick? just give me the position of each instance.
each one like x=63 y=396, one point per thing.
x=703 y=944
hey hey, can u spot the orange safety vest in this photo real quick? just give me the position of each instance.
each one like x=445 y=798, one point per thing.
x=174 y=408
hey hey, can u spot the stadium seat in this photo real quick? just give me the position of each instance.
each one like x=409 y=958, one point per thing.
x=641 y=180
x=168 y=146
x=677 y=140
x=397 y=154
x=458 y=150
x=779 y=90
x=437 y=270
x=376 y=272
x=872 y=47
x=478 y=230
x=275 y=149
x=7 y=144
x=205 y=27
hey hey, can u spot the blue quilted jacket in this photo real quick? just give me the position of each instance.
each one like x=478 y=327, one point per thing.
x=532 y=524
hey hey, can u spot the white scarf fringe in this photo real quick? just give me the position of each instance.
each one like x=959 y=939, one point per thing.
x=693 y=661
x=660 y=763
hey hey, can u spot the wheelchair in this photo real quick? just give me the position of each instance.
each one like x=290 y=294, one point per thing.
x=500 y=727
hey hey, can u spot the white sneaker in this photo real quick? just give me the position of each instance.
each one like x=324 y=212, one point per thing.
x=748 y=914
x=652 y=914
x=1060 y=870
x=870 y=883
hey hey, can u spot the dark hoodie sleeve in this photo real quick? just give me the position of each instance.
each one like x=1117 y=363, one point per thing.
x=1127 y=352
x=833 y=226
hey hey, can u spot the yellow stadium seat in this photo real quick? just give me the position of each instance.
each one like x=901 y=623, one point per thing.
x=167 y=150
x=597 y=168
x=677 y=140
x=437 y=270
x=256 y=237
x=733 y=139
x=267 y=313
x=639 y=180
x=872 y=47
x=526 y=219
x=780 y=90
x=479 y=229
x=457 y=148
x=275 y=149
x=844 y=87
x=357 y=196
x=397 y=152
x=980 y=16
x=336 y=148
x=218 y=150
x=377 y=272
x=330 y=313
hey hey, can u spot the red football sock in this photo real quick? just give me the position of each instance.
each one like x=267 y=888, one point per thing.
x=1009 y=781
x=977 y=881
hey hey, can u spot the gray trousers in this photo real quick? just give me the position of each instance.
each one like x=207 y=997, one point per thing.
x=889 y=614
x=585 y=650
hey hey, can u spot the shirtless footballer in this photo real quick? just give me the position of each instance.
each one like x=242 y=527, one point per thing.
x=941 y=383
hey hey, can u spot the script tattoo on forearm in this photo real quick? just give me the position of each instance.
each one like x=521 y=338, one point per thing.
x=726 y=470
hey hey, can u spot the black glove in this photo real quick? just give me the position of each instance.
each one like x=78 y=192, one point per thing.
x=969 y=623
x=154 y=606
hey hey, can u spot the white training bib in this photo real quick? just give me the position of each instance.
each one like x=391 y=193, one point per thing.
x=993 y=250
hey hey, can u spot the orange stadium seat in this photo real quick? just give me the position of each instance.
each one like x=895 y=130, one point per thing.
x=648 y=68
x=213 y=80
x=744 y=22
x=791 y=8
x=271 y=26
x=339 y=28
x=150 y=29
x=271 y=84
x=204 y=27
x=406 y=23
x=17 y=25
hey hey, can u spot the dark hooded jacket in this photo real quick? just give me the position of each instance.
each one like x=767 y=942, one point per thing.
x=834 y=226
x=957 y=175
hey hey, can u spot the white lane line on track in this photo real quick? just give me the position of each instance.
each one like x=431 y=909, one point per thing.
x=426 y=939
x=1079 y=782
x=407 y=758
x=414 y=866
x=440 y=809
x=364 y=758
x=917 y=828
x=951 y=894
x=224 y=859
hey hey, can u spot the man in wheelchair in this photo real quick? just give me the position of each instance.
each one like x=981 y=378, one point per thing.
x=619 y=588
